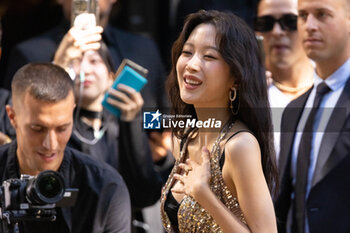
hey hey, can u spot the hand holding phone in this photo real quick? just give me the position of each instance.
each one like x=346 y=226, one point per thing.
x=85 y=6
x=124 y=94
x=83 y=36
x=125 y=100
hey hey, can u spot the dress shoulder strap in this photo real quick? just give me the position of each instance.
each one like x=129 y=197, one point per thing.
x=222 y=158
x=235 y=133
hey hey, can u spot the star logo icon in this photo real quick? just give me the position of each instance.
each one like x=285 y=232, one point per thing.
x=156 y=115
x=151 y=120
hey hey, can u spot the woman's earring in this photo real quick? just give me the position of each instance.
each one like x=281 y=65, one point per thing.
x=232 y=95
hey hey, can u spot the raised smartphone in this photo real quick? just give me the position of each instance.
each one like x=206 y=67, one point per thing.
x=130 y=74
x=85 y=6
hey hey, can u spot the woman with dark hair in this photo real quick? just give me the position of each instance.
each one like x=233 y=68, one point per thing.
x=217 y=74
x=119 y=141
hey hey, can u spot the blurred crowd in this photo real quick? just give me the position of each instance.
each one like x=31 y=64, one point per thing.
x=304 y=52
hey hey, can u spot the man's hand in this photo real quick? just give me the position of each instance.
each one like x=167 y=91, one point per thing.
x=4 y=139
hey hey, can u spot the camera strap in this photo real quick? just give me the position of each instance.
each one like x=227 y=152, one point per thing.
x=12 y=166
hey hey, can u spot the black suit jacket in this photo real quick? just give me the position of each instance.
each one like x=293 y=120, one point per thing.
x=328 y=203
x=121 y=45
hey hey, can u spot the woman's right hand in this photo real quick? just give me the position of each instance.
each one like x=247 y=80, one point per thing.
x=127 y=100
x=81 y=37
x=195 y=178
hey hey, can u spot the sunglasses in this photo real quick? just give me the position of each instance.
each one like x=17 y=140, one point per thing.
x=288 y=22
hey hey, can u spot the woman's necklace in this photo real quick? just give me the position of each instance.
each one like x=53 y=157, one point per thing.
x=86 y=116
x=90 y=114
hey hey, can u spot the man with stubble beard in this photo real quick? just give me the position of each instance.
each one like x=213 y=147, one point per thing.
x=315 y=136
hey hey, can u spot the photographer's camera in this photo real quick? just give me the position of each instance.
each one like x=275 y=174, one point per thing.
x=33 y=198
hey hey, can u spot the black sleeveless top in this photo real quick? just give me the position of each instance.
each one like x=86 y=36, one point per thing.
x=171 y=206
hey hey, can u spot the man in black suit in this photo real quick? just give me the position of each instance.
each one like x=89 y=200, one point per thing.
x=315 y=140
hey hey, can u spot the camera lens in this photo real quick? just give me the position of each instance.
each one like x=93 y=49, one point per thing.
x=49 y=186
x=46 y=188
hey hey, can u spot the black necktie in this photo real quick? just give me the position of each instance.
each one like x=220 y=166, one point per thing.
x=303 y=162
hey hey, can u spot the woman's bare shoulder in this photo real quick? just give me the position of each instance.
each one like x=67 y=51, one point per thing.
x=241 y=145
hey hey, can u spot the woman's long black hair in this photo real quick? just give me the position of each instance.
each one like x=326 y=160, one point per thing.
x=239 y=48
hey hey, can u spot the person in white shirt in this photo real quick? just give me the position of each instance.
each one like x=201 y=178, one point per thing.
x=289 y=68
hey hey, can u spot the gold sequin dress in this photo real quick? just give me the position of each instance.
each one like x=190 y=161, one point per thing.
x=191 y=216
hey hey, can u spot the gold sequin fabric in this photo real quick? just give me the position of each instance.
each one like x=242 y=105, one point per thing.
x=191 y=216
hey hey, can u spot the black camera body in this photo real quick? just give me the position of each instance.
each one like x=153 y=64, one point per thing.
x=28 y=192
x=33 y=198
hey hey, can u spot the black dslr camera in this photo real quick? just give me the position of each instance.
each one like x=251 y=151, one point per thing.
x=33 y=198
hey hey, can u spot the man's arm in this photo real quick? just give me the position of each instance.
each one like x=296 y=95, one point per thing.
x=113 y=214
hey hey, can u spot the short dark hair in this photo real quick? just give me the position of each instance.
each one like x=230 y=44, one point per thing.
x=43 y=81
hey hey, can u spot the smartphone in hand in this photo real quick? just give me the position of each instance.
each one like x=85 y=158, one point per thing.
x=130 y=74
x=85 y=6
